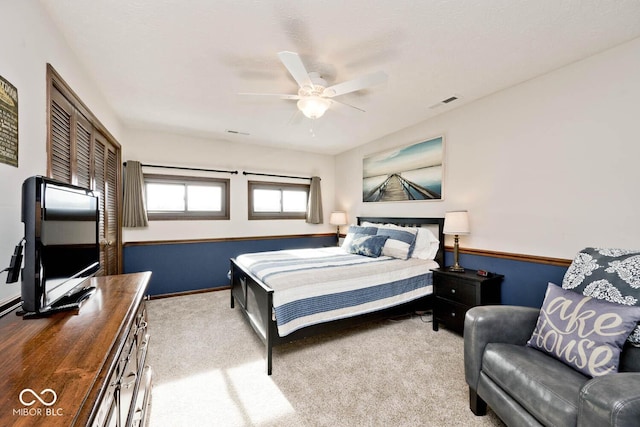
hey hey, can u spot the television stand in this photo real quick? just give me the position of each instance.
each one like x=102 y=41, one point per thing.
x=66 y=303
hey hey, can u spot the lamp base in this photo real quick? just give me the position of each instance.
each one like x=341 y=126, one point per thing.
x=456 y=266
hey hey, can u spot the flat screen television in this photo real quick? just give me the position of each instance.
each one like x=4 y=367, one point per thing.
x=61 y=249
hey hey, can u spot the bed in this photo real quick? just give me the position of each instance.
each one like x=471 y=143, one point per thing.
x=292 y=294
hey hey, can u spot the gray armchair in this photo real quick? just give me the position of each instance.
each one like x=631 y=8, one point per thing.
x=526 y=387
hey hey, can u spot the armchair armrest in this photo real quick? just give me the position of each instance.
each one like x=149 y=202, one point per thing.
x=494 y=324
x=612 y=400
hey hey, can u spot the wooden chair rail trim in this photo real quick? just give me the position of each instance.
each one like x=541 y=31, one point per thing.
x=560 y=262
x=225 y=239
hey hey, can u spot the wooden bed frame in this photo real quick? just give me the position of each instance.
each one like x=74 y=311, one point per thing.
x=256 y=299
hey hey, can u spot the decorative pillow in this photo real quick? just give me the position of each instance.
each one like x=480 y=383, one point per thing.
x=400 y=241
x=585 y=333
x=426 y=246
x=367 y=245
x=607 y=274
x=355 y=229
x=370 y=224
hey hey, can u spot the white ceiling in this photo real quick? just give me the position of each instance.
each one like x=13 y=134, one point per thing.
x=176 y=65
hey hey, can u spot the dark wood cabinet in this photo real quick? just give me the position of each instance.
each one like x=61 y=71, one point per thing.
x=457 y=292
x=84 y=368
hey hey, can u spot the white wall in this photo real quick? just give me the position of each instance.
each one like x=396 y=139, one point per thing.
x=544 y=168
x=29 y=42
x=178 y=150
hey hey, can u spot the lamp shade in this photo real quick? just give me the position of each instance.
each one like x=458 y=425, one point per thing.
x=338 y=218
x=456 y=222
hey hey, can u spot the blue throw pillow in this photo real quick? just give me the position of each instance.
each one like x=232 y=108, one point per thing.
x=356 y=229
x=367 y=245
x=582 y=332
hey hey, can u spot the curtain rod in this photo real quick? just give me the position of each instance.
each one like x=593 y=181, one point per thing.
x=275 y=176
x=185 y=168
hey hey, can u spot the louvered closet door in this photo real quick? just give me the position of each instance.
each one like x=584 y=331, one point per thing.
x=106 y=182
x=83 y=169
x=62 y=113
x=81 y=154
x=99 y=186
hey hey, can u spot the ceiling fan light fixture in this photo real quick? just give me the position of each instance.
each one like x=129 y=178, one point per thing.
x=313 y=107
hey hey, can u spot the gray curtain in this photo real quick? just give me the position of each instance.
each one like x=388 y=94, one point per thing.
x=134 y=211
x=314 y=207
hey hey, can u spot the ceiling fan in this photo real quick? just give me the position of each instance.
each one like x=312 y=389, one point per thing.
x=314 y=96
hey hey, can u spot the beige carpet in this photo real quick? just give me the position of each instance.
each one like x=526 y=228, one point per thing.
x=209 y=370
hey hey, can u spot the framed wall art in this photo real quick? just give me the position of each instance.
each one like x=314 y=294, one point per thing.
x=412 y=172
x=8 y=123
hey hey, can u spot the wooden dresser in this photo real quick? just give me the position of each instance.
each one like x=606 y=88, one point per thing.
x=79 y=368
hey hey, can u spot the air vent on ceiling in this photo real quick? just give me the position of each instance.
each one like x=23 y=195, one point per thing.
x=236 y=132
x=445 y=101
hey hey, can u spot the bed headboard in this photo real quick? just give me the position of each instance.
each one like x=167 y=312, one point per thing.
x=412 y=222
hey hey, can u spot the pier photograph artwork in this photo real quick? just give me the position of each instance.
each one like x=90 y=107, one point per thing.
x=413 y=172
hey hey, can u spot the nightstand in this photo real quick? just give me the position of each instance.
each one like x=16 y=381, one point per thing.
x=455 y=293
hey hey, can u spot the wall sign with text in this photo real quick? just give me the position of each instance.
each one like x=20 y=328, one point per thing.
x=8 y=123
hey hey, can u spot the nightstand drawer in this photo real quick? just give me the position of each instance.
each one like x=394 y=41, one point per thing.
x=458 y=290
x=451 y=314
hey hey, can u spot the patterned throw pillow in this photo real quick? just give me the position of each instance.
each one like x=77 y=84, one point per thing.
x=367 y=245
x=356 y=229
x=399 y=243
x=607 y=274
x=583 y=332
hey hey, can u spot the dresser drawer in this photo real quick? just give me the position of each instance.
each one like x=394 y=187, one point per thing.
x=458 y=290
x=451 y=314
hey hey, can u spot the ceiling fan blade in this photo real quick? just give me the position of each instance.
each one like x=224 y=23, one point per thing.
x=295 y=118
x=296 y=68
x=279 y=95
x=348 y=105
x=355 y=84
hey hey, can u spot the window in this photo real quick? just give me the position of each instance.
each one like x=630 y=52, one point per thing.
x=272 y=200
x=184 y=197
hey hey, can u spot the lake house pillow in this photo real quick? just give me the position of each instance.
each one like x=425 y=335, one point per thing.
x=583 y=332
x=608 y=274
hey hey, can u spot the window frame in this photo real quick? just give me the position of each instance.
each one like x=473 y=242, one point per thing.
x=281 y=186
x=224 y=183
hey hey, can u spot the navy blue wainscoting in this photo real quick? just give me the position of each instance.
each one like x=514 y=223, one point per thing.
x=524 y=282
x=191 y=266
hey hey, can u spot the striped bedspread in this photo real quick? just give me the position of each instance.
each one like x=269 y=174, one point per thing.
x=319 y=285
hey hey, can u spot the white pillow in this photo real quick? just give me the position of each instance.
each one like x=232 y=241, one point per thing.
x=426 y=246
x=369 y=224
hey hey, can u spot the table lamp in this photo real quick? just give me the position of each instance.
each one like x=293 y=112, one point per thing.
x=456 y=223
x=338 y=218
